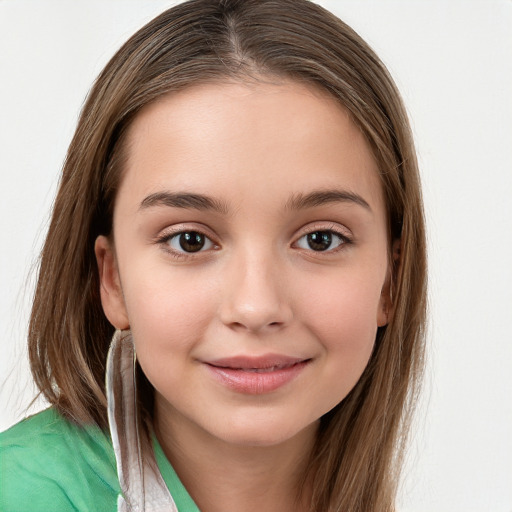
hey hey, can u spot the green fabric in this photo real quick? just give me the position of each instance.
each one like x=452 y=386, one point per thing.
x=48 y=464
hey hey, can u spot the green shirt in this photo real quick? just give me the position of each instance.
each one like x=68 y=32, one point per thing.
x=48 y=464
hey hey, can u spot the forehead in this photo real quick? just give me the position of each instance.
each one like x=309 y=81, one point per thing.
x=258 y=137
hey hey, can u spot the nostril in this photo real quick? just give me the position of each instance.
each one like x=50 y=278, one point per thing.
x=255 y=327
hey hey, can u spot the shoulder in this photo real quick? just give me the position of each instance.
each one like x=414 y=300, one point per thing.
x=49 y=463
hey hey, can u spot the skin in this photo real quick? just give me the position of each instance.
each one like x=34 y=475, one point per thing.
x=257 y=288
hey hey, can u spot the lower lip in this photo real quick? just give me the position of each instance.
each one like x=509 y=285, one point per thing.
x=256 y=383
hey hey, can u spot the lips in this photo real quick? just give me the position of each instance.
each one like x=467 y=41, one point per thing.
x=256 y=375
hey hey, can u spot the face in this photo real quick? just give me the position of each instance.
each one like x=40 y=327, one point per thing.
x=249 y=257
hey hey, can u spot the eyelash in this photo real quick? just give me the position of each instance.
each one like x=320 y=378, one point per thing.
x=166 y=238
x=344 y=240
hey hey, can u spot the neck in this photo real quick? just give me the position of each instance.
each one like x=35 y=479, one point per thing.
x=225 y=477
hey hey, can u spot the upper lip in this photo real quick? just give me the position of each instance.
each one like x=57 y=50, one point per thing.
x=256 y=362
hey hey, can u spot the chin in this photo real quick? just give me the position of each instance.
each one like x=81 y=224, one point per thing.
x=264 y=433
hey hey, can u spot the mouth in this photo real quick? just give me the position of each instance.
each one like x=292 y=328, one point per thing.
x=263 y=370
x=256 y=375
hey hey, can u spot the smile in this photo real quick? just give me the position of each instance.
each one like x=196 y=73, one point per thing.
x=262 y=370
x=256 y=375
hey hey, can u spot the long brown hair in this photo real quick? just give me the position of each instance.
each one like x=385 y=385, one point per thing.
x=360 y=443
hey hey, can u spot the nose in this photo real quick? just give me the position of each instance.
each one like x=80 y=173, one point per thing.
x=255 y=295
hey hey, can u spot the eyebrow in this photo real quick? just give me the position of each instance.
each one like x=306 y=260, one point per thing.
x=204 y=203
x=183 y=200
x=322 y=197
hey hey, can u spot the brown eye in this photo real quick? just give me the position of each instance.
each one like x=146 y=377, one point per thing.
x=192 y=241
x=189 y=241
x=320 y=241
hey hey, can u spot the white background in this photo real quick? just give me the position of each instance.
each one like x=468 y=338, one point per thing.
x=453 y=62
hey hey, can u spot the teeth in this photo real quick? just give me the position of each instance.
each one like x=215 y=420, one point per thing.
x=263 y=370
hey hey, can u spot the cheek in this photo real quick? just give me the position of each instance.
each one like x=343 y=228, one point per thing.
x=168 y=311
x=343 y=315
x=343 y=321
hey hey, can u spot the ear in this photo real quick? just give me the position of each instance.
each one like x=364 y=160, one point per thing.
x=111 y=293
x=387 y=304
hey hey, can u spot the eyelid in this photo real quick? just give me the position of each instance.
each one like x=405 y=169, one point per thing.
x=183 y=227
x=336 y=228
x=171 y=231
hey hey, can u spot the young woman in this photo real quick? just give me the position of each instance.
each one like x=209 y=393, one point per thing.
x=239 y=227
